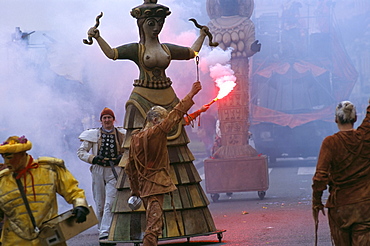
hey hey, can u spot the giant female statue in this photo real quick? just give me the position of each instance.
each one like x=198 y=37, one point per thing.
x=153 y=87
x=152 y=59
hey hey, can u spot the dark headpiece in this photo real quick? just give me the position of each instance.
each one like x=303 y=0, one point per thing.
x=150 y=8
x=107 y=111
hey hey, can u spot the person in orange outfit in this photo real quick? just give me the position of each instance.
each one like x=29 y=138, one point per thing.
x=344 y=166
x=148 y=166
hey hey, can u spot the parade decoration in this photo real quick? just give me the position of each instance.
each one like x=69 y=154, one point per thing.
x=150 y=8
x=234 y=157
x=210 y=43
x=188 y=208
x=97 y=22
x=226 y=83
x=209 y=34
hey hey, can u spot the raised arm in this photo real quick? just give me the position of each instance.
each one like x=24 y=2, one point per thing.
x=181 y=108
x=191 y=117
x=104 y=46
x=365 y=125
x=196 y=87
x=197 y=45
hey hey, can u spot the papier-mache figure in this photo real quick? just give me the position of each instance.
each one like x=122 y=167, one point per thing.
x=154 y=88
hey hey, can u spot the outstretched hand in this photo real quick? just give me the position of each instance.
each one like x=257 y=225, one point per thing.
x=203 y=31
x=93 y=32
x=204 y=108
x=319 y=207
x=195 y=89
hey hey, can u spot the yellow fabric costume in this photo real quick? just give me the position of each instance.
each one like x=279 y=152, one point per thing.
x=47 y=177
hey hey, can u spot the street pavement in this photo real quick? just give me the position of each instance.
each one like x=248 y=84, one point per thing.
x=282 y=218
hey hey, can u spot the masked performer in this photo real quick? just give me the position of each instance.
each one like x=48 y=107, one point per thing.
x=40 y=179
x=148 y=169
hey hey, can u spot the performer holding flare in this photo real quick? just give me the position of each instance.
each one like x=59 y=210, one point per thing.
x=148 y=168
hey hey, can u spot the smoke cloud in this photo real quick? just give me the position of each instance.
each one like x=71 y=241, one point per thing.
x=216 y=64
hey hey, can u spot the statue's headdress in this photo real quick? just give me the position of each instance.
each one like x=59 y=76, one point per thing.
x=15 y=144
x=150 y=8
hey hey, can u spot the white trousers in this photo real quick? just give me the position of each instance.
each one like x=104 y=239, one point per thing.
x=104 y=192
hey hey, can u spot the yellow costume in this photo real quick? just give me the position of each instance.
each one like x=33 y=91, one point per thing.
x=42 y=179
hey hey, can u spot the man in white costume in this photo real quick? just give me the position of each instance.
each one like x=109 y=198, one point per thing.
x=105 y=146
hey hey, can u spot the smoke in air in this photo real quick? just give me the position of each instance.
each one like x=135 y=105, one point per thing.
x=216 y=62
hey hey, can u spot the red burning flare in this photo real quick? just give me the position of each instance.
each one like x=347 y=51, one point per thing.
x=226 y=85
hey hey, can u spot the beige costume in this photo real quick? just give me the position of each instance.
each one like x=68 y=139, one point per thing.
x=149 y=167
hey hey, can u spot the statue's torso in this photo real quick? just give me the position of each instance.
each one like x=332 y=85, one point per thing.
x=156 y=57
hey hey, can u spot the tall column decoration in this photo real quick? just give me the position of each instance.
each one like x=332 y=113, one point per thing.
x=236 y=165
x=231 y=26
